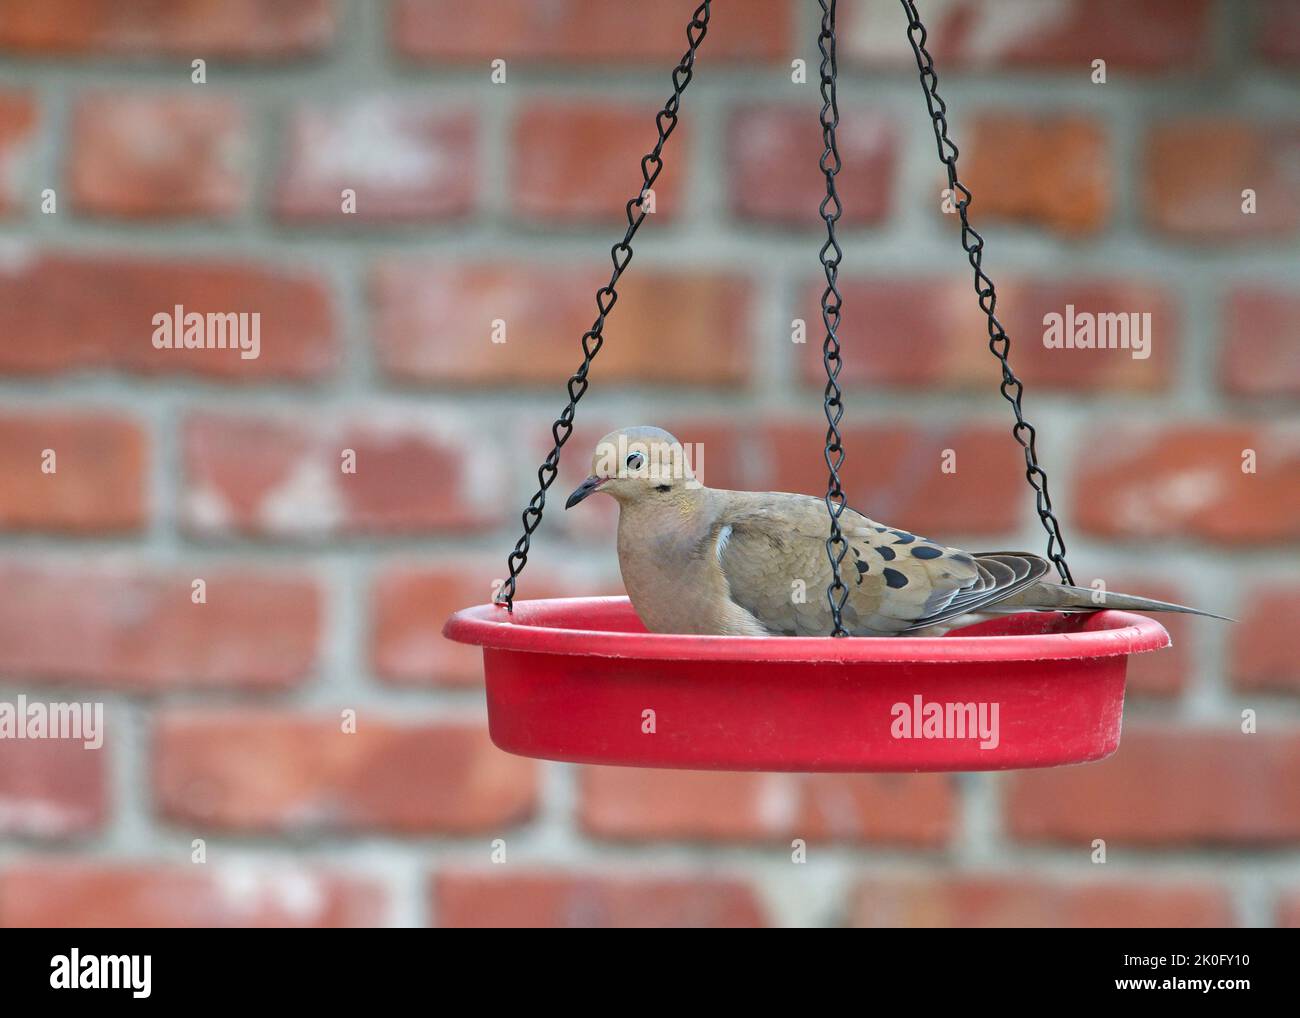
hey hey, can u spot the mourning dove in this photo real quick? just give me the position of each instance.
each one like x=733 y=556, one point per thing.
x=742 y=563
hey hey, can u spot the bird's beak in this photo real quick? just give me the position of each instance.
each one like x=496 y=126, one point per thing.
x=583 y=490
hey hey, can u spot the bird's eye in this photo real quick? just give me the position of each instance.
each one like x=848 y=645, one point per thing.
x=634 y=461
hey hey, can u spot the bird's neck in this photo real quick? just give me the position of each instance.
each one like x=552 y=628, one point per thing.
x=682 y=515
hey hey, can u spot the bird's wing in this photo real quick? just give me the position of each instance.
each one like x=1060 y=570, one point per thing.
x=771 y=549
x=1002 y=574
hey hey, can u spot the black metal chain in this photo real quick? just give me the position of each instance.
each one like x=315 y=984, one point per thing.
x=606 y=297
x=999 y=342
x=831 y=253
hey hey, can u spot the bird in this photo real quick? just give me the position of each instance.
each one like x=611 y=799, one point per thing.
x=707 y=561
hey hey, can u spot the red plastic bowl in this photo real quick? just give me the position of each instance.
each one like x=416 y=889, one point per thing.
x=570 y=679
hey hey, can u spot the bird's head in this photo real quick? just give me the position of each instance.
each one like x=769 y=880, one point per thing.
x=636 y=463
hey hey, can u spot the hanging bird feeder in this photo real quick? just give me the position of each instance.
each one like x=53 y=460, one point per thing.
x=580 y=679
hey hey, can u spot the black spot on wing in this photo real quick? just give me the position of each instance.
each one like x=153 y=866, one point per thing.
x=926 y=551
x=886 y=552
x=903 y=537
x=894 y=578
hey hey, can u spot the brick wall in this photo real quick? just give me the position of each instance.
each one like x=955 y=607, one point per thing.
x=478 y=201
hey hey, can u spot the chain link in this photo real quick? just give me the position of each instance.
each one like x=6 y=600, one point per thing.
x=606 y=297
x=831 y=254
x=999 y=342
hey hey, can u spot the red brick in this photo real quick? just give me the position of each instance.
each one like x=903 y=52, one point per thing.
x=587 y=30
x=1277 y=31
x=1187 y=481
x=159 y=156
x=276 y=771
x=1288 y=910
x=773 y=152
x=1266 y=645
x=52 y=788
x=404 y=160
x=409 y=604
x=1167 y=786
x=1260 y=355
x=929 y=332
x=17 y=134
x=99 y=481
x=635 y=804
x=893 y=474
x=81 y=893
x=1151 y=36
x=992 y=900
x=1197 y=168
x=542 y=899
x=580 y=161
x=408 y=607
x=139 y=629
x=433 y=323
x=189 y=28
x=283 y=476
x=82 y=312
x=1049 y=169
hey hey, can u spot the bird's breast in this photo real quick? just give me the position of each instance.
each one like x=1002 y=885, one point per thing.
x=673 y=587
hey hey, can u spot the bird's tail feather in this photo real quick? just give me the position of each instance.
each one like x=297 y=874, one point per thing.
x=1062 y=597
